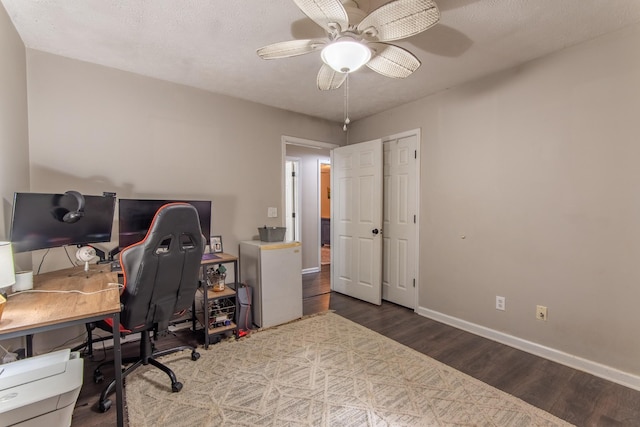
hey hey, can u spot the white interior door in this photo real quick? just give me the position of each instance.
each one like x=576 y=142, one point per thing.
x=356 y=219
x=400 y=240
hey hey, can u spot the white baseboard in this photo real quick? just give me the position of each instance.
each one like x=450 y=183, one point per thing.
x=594 y=368
x=310 y=270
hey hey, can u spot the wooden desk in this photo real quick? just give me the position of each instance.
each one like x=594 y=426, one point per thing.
x=28 y=313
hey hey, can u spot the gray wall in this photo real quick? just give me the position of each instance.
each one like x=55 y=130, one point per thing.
x=538 y=168
x=14 y=136
x=97 y=129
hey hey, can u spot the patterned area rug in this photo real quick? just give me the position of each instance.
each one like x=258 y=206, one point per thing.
x=323 y=370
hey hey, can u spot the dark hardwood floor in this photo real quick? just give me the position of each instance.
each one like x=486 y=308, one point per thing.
x=577 y=397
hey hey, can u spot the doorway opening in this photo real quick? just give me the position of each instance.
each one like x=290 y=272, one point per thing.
x=325 y=212
x=309 y=154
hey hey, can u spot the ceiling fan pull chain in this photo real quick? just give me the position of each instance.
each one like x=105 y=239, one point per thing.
x=346 y=104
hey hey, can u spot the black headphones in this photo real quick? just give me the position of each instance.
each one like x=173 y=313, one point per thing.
x=74 y=216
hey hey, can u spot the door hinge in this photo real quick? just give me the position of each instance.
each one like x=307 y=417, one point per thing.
x=293 y=214
x=293 y=174
x=415 y=154
x=414 y=219
x=414 y=283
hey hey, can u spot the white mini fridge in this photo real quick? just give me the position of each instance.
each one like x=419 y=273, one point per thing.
x=274 y=272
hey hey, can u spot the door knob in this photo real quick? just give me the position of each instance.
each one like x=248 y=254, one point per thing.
x=375 y=231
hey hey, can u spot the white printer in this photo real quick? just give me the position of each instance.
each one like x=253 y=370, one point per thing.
x=40 y=390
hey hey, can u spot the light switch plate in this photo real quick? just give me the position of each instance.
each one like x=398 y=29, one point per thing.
x=272 y=212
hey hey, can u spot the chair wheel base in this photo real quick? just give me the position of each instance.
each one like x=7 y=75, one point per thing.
x=176 y=387
x=195 y=355
x=98 y=377
x=104 y=405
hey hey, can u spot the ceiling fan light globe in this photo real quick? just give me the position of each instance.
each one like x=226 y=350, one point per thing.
x=346 y=56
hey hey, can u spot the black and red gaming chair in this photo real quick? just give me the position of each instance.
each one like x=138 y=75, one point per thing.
x=161 y=274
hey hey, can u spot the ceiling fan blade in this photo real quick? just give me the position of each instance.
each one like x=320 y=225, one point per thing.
x=328 y=78
x=329 y=14
x=392 y=61
x=289 y=48
x=400 y=19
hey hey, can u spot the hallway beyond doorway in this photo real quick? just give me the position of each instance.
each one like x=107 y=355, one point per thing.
x=325 y=255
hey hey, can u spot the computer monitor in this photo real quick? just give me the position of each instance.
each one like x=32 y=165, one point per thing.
x=37 y=221
x=135 y=216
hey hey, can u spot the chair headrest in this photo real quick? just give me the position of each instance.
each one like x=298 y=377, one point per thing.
x=175 y=220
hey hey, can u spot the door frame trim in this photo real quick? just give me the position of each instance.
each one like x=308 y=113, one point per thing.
x=310 y=143
x=296 y=194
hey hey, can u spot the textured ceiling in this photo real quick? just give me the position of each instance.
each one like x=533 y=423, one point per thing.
x=211 y=44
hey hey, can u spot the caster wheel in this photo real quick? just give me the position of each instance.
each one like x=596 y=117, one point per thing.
x=98 y=377
x=195 y=355
x=105 y=405
x=176 y=387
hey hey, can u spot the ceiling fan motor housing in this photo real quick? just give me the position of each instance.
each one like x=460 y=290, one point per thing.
x=357 y=37
x=356 y=10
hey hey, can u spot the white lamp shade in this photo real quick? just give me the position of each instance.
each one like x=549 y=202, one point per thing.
x=346 y=55
x=7 y=273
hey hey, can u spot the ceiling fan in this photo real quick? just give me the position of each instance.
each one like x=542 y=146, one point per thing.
x=355 y=38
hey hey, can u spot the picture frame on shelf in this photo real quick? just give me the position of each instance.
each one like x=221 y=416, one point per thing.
x=216 y=244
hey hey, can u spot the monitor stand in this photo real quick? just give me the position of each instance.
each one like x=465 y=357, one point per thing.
x=87 y=271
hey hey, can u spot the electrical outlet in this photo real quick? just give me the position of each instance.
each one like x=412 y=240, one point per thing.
x=501 y=303
x=541 y=312
x=272 y=212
